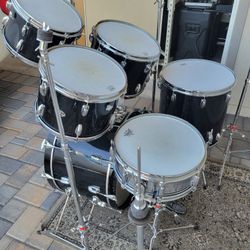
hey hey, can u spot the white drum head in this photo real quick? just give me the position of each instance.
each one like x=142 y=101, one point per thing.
x=170 y=146
x=128 y=39
x=199 y=75
x=57 y=14
x=82 y=71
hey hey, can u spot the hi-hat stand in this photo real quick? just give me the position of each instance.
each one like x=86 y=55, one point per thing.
x=233 y=129
x=44 y=36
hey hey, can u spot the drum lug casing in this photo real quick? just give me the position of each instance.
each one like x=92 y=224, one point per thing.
x=91 y=37
x=11 y=15
x=138 y=88
x=25 y=29
x=19 y=45
x=228 y=98
x=40 y=110
x=85 y=109
x=173 y=97
x=194 y=182
x=147 y=68
x=123 y=63
x=109 y=107
x=210 y=137
x=203 y=103
x=43 y=88
x=4 y=21
x=78 y=131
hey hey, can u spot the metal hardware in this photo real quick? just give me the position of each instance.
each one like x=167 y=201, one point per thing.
x=173 y=97
x=109 y=107
x=228 y=98
x=78 y=130
x=210 y=136
x=25 y=29
x=4 y=21
x=123 y=63
x=8 y=5
x=62 y=114
x=46 y=144
x=194 y=182
x=43 y=88
x=63 y=180
x=203 y=103
x=85 y=109
x=147 y=68
x=96 y=190
x=138 y=88
x=112 y=121
x=218 y=136
x=40 y=110
x=11 y=15
x=91 y=37
x=159 y=83
x=99 y=49
x=19 y=45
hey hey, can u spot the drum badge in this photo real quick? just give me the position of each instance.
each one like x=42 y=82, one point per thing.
x=128 y=132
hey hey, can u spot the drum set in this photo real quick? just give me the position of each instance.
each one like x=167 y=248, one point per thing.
x=99 y=149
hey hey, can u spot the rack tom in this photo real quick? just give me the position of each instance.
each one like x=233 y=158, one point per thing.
x=88 y=85
x=136 y=50
x=198 y=91
x=26 y=17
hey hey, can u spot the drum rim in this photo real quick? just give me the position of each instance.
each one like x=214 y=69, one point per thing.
x=162 y=178
x=197 y=93
x=119 y=52
x=81 y=96
x=30 y=19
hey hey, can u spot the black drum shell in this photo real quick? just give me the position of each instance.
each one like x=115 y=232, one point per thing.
x=13 y=33
x=138 y=72
x=87 y=173
x=94 y=123
x=188 y=107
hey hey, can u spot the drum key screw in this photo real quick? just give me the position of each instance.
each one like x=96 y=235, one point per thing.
x=203 y=103
x=85 y=109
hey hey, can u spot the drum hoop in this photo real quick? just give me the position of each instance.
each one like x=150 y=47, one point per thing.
x=71 y=138
x=85 y=97
x=196 y=93
x=17 y=55
x=199 y=93
x=121 y=53
x=28 y=18
x=165 y=178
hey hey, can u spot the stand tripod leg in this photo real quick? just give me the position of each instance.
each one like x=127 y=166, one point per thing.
x=140 y=237
x=204 y=179
x=226 y=154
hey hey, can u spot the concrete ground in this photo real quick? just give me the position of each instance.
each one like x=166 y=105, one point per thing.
x=25 y=197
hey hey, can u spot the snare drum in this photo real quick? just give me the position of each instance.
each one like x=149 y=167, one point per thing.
x=173 y=154
x=198 y=91
x=26 y=17
x=92 y=168
x=136 y=50
x=88 y=85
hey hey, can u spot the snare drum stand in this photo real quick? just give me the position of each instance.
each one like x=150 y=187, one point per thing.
x=233 y=129
x=44 y=36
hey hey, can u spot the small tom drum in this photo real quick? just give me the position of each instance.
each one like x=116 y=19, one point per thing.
x=172 y=155
x=197 y=91
x=26 y=17
x=88 y=85
x=136 y=50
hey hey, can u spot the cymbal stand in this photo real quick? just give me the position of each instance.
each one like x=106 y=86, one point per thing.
x=44 y=36
x=233 y=129
x=158 y=37
x=139 y=210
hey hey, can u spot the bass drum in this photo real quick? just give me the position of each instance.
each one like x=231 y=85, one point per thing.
x=92 y=171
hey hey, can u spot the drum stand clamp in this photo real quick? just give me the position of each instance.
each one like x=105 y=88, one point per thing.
x=233 y=129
